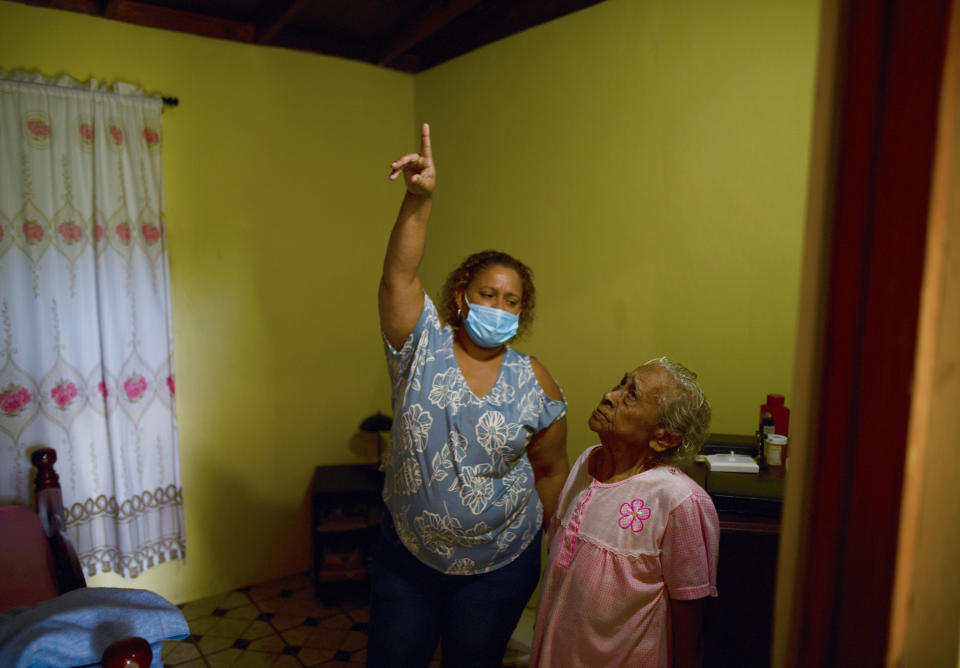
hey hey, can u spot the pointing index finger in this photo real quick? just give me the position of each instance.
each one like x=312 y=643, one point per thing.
x=425 y=141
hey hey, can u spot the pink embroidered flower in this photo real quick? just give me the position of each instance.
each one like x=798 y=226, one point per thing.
x=134 y=387
x=98 y=231
x=170 y=385
x=13 y=399
x=151 y=136
x=70 y=232
x=117 y=134
x=86 y=132
x=633 y=514
x=123 y=231
x=38 y=128
x=102 y=386
x=32 y=231
x=150 y=232
x=63 y=393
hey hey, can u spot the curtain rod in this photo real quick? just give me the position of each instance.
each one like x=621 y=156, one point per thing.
x=168 y=100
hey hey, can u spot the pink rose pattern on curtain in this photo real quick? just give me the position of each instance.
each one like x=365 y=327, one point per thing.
x=86 y=345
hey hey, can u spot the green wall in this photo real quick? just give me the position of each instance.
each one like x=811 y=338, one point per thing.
x=647 y=159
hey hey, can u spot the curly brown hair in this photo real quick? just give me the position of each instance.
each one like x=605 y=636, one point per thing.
x=458 y=280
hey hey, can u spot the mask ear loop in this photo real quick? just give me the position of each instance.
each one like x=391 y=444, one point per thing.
x=459 y=310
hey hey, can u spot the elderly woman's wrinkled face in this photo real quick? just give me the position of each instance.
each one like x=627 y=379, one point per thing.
x=627 y=414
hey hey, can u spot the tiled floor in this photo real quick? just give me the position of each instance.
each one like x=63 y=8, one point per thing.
x=279 y=623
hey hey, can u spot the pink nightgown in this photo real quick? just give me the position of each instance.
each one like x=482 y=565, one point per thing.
x=617 y=553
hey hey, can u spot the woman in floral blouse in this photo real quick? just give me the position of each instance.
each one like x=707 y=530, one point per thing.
x=478 y=450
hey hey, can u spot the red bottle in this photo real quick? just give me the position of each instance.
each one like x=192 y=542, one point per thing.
x=780 y=413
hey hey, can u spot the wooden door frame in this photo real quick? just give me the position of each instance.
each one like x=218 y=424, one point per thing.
x=863 y=294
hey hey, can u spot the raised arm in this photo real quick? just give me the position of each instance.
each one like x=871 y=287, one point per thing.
x=401 y=292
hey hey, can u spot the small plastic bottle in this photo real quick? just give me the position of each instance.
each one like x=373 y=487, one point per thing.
x=773 y=448
x=781 y=414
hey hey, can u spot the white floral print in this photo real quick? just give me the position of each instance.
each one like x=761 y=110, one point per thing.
x=406 y=536
x=462 y=566
x=409 y=477
x=493 y=433
x=453 y=451
x=524 y=372
x=438 y=533
x=440 y=467
x=515 y=490
x=416 y=424
x=531 y=404
x=448 y=389
x=504 y=541
x=476 y=487
x=501 y=394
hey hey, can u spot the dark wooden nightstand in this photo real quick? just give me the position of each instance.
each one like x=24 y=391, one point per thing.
x=346 y=505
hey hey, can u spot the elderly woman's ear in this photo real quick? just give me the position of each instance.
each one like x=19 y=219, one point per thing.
x=664 y=440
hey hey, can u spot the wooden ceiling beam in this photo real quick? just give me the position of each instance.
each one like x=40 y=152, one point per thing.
x=154 y=16
x=81 y=6
x=267 y=29
x=328 y=44
x=412 y=32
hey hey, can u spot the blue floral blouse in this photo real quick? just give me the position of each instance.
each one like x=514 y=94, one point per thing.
x=459 y=485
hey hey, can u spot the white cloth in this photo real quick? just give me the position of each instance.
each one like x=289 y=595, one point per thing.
x=86 y=347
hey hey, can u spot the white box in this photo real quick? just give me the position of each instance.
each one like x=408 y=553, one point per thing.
x=732 y=463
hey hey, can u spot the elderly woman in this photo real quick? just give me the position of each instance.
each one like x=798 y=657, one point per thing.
x=633 y=545
x=478 y=452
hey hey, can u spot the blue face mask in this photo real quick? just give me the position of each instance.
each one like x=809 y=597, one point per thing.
x=490 y=327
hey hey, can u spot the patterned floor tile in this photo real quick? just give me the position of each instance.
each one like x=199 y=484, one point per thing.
x=179 y=653
x=228 y=600
x=298 y=635
x=228 y=628
x=360 y=615
x=285 y=661
x=248 y=612
x=324 y=638
x=257 y=630
x=284 y=622
x=193 y=611
x=311 y=656
x=342 y=621
x=193 y=663
x=212 y=644
x=223 y=659
x=277 y=623
x=201 y=625
x=354 y=641
x=272 y=643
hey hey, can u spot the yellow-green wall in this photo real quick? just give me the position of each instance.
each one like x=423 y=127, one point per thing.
x=646 y=158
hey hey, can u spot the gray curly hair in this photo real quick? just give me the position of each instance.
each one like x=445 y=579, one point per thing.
x=685 y=412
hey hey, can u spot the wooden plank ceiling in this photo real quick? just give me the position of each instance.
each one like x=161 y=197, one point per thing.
x=406 y=35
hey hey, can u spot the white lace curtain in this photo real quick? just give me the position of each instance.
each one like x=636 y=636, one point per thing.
x=86 y=346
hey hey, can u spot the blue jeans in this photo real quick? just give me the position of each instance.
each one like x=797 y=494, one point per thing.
x=413 y=606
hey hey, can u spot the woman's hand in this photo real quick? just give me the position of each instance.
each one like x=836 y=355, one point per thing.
x=418 y=169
